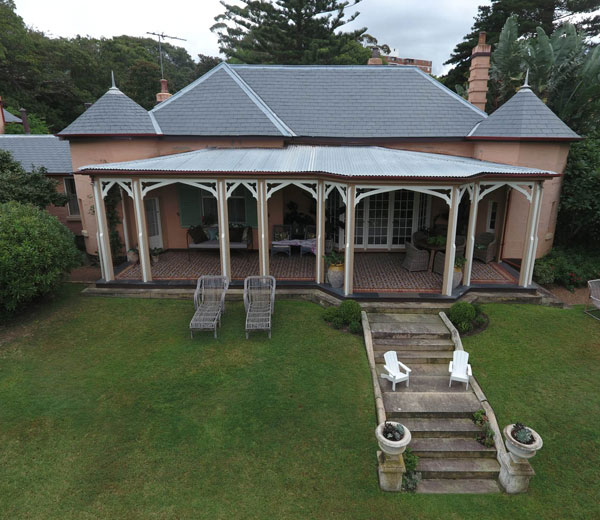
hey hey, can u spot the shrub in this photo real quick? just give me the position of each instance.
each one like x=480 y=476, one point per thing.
x=568 y=267
x=330 y=314
x=36 y=251
x=349 y=311
x=543 y=272
x=355 y=327
x=337 y=322
x=462 y=314
x=411 y=478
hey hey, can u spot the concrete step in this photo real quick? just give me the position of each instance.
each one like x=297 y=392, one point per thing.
x=399 y=405
x=458 y=486
x=451 y=447
x=413 y=344
x=409 y=330
x=421 y=383
x=403 y=318
x=508 y=297
x=430 y=428
x=458 y=468
x=424 y=369
x=418 y=356
x=408 y=307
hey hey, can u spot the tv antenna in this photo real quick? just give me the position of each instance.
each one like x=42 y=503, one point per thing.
x=161 y=37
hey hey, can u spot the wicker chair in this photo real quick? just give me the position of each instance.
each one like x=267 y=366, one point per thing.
x=209 y=301
x=309 y=232
x=259 y=301
x=415 y=259
x=485 y=247
x=419 y=238
x=438 y=262
x=594 y=298
x=281 y=232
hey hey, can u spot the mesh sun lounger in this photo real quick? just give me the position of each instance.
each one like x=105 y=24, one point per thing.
x=259 y=300
x=209 y=301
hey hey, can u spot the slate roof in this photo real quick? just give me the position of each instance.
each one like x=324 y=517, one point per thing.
x=39 y=150
x=9 y=118
x=113 y=114
x=317 y=101
x=524 y=116
x=346 y=161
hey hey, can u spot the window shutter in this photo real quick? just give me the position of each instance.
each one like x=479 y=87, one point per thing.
x=190 y=207
x=251 y=217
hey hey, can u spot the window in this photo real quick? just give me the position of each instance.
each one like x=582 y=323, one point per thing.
x=209 y=208
x=403 y=216
x=236 y=206
x=492 y=216
x=72 y=204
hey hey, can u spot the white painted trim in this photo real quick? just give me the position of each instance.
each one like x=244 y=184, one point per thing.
x=209 y=185
x=536 y=233
x=154 y=122
x=349 y=242
x=106 y=186
x=104 y=251
x=157 y=208
x=493 y=186
x=278 y=185
x=470 y=246
x=489 y=216
x=451 y=246
x=125 y=228
x=382 y=189
x=330 y=186
x=140 y=221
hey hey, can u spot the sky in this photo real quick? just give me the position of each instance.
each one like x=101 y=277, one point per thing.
x=420 y=29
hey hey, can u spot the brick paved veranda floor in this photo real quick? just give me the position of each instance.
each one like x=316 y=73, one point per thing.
x=373 y=272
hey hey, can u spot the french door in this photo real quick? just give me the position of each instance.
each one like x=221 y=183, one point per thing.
x=153 y=223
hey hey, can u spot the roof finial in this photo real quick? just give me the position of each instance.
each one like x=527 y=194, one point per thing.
x=112 y=77
x=526 y=83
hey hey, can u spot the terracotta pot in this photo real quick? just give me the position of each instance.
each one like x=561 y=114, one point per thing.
x=519 y=450
x=392 y=447
x=335 y=275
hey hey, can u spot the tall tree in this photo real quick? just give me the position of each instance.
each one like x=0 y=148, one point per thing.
x=546 y=14
x=563 y=71
x=290 y=32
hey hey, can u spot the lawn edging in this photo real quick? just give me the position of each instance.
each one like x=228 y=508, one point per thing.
x=514 y=478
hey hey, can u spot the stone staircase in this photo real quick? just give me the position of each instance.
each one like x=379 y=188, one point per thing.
x=439 y=418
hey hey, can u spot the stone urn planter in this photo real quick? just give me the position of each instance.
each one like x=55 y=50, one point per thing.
x=390 y=447
x=335 y=275
x=457 y=277
x=133 y=256
x=519 y=450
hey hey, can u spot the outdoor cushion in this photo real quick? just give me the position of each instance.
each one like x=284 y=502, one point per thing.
x=198 y=235
x=309 y=234
x=280 y=235
x=213 y=233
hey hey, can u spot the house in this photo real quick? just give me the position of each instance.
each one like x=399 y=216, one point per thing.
x=368 y=155
x=53 y=154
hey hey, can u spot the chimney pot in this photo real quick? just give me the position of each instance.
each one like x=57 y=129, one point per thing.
x=26 y=128
x=164 y=91
x=482 y=36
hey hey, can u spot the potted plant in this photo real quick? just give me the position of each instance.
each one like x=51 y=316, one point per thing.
x=133 y=255
x=522 y=442
x=459 y=263
x=154 y=252
x=393 y=437
x=335 y=270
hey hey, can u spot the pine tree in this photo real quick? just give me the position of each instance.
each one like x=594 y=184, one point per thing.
x=289 y=32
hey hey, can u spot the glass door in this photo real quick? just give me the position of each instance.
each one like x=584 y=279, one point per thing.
x=378 y=219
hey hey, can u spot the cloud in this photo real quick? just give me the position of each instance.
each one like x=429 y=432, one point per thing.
x=424 y=29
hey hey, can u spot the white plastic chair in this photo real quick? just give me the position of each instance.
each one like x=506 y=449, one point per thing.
x=459 y=368
x=594 y=298
x=392 y=366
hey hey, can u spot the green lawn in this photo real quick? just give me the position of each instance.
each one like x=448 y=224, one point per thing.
x=109 y=410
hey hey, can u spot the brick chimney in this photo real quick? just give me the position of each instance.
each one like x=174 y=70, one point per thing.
x=2 y=123
x=164 y=92
x=375 y=59
x=24 y=120
x=479 y=72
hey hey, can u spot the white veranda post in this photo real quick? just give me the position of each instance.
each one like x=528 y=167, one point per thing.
x=263 y=227
x=142 y=232
x=349 y=246
x=471 y=232
x=104 y=251
x=320 y=263
x=223 y=221
x=451 y=242
x=531 y=239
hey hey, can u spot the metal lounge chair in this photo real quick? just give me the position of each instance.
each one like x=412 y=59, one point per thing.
x=594 y=298
x=392 y=367
x=459 y=368
x=209 y=301
x=259 y=300
x=281 y=232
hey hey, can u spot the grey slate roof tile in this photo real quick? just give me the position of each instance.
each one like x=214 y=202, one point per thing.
x=114 y=113
x=10 y=118
x=39 y=150
x=524 y=116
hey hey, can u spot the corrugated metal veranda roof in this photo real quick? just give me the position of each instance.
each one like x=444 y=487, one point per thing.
x=344 y=161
